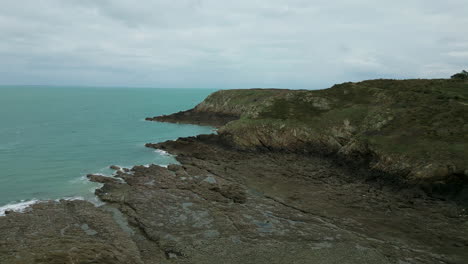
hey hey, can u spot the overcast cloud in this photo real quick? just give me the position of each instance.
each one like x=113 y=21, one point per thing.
x=229 y=44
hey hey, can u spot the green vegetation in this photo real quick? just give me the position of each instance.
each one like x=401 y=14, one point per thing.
x=419 y=122
x=238 y=102
x=461 y=76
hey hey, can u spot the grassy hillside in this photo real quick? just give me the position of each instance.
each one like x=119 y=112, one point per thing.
x=418 y=128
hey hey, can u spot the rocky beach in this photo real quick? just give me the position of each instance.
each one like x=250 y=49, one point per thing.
x=368 y=172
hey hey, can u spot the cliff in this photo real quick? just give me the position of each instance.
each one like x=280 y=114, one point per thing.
x=415 y=130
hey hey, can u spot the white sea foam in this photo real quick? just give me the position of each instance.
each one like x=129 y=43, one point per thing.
x=94 y=200
x=149 y=165
x=75 y=198
x=162 y=152
x=83 y=179
x=17 y=207
x=24 y=205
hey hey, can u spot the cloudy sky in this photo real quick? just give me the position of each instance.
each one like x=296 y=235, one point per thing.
x=229 y=44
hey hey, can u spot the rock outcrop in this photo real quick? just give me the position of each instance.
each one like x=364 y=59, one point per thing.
x=415 y=130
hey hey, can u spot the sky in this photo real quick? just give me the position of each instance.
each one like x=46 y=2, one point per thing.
x=307 y=44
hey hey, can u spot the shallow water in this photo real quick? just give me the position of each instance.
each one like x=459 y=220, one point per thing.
x=51 y=137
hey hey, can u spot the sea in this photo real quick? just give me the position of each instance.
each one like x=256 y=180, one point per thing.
x=52 y=137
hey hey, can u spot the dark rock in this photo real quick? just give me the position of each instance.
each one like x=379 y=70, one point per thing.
x=65 y=232
x=115 y=167
x=174 y=167
x=101 y=178
x=257 y=207
x=234 y=192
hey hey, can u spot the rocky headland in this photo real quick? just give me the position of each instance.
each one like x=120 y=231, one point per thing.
x=369 y=172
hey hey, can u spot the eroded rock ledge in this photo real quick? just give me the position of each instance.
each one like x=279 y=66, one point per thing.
x=270 y=207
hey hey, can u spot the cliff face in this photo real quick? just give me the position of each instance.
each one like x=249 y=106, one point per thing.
x=416 y=129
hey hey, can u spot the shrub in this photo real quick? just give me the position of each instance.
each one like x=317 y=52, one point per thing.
x=461 y=76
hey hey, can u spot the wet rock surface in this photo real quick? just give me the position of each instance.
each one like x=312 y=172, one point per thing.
x=65 y=232
x=101 y=178
x=302 y=201
x=229 y=206
x=115 y=167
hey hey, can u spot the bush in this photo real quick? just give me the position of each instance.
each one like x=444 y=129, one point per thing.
x=461 y=76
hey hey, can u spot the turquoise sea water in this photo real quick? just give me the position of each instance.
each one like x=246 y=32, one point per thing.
x=51 y=137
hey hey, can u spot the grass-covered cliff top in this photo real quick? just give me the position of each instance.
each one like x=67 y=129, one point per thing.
x=406 y=124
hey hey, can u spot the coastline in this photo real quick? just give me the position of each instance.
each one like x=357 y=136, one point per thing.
x=24 y=205
x=46 y=155
x=233 y=201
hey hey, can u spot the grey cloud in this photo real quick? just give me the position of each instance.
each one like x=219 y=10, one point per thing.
x=227 y=44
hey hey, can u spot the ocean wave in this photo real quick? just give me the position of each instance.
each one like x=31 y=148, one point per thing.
x=24 y=205
x=17 y=207
x=162 y=152
x=94 y=200
x=83 y=179
x=160 y=165
x=75 y=198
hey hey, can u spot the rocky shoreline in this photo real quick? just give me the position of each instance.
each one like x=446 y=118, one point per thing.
x=231 y=200
x=197 y=118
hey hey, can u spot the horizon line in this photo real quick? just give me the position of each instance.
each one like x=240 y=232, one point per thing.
x=130 y=87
